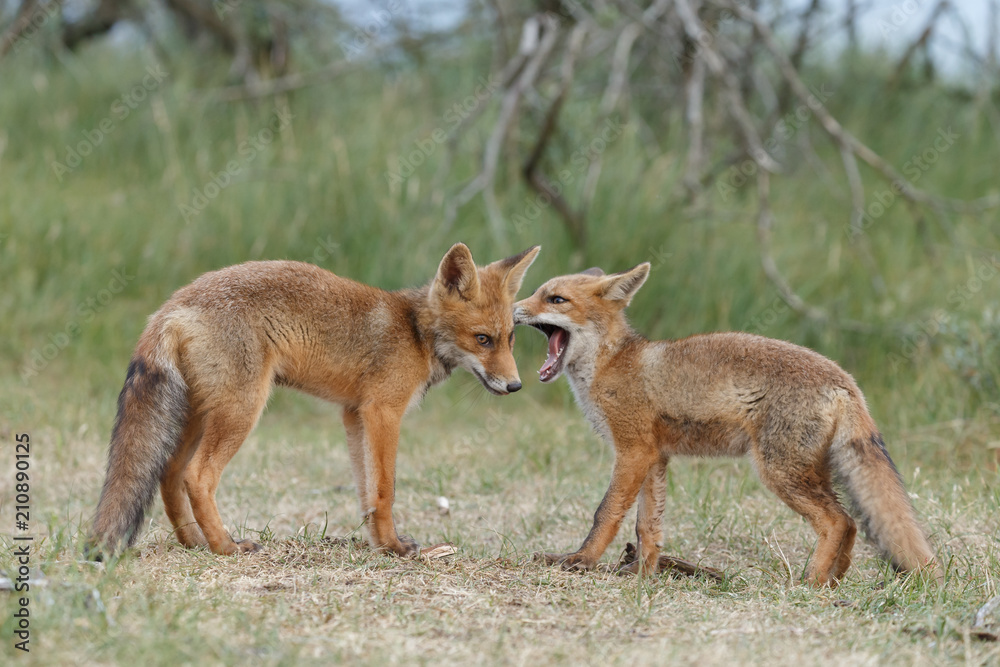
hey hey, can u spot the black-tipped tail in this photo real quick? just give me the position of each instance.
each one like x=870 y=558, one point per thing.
x=881 y=504
x=152 y=412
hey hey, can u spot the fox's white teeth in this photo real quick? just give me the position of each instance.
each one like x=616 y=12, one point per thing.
x=558 y=355
x=557 y=345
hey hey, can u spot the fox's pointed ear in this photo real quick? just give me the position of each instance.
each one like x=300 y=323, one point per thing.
x=514 y=268
x=593 y=271
x=457 y=274
x=623 y=286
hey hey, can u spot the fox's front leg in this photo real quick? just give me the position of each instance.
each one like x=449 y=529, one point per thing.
x=649 y=521
x=355 y=431
x=631 y=468
x=381 y=440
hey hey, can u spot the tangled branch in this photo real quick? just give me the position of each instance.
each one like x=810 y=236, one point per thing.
x=721 y=64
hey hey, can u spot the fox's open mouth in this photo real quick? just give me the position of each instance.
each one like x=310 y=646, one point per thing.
x=558 y=340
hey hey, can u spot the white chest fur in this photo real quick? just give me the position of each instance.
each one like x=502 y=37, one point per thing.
x=580 y=373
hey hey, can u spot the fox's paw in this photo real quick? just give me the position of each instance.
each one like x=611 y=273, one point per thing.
x=246 y=547
x=571 y=561
x=405 y=547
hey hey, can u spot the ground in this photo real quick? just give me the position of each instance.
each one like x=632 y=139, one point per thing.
x=520 y=477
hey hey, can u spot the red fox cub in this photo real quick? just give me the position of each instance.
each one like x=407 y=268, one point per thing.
x=799 y=417
x=205 y=365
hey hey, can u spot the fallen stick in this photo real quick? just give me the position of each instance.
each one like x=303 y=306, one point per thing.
x=669 y=563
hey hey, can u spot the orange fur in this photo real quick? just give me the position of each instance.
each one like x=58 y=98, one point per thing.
x=799 y=417
x=205 y=365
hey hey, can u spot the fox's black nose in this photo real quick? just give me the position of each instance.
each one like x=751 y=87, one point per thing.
x=513 y=386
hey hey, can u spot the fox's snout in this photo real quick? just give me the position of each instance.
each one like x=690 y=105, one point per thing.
x=499 y=384
x=497 y=371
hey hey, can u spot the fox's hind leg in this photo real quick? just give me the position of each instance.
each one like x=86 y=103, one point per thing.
x=227 y=425
x=808 y=491
x=175 y=496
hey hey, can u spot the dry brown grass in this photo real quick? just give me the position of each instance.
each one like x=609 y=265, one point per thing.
x=521 y=477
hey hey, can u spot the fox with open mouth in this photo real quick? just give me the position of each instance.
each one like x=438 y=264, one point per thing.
x=797 y=415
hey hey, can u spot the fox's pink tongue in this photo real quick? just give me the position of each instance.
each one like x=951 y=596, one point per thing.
x=555 y=344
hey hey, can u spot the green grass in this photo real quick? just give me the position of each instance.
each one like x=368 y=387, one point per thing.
x=523 y=473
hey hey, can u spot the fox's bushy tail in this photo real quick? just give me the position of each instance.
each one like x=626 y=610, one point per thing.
x=152 y=412
x=879 y=501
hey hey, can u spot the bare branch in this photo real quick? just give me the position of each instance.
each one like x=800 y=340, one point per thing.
x=285 y=84
x=799 y=52
x=207 y=19
x=857 y=189
x=25 y=13
x=617 y=81
x=921 y=41
x=694 y=92
x=540 y=50
x=510 y=72
x=846 y=140
x=574 y=221
x=795 y=302
x=858 y=238
x=734 y=99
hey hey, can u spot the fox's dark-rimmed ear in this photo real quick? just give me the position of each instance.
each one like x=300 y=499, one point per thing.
x=457 y=274
x=593 y=271
x=623 y=286
x=514 y=268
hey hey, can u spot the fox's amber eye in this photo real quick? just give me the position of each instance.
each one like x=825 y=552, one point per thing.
x=511 y=339
x=555 y=298
x=483 y=339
